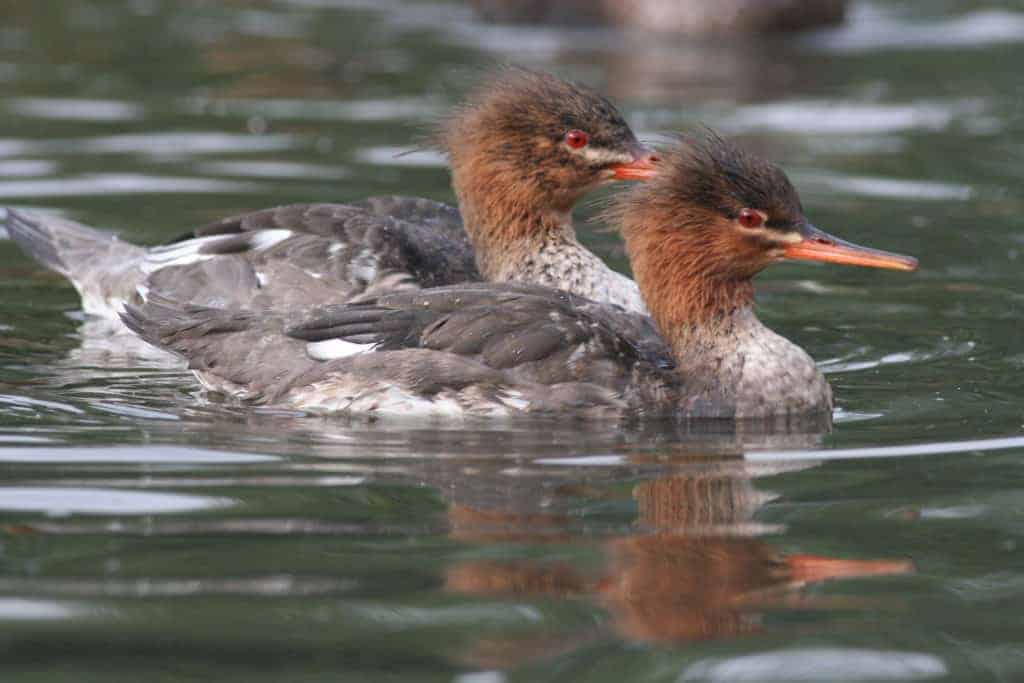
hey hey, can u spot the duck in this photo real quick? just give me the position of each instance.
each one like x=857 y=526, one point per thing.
x=523 y=148
x=697 y=233
x=686 y=17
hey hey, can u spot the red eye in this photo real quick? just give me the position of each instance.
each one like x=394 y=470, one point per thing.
x=577 y=139
x=749 y=218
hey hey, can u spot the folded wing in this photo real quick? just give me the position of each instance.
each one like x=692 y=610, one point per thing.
x=475 y=349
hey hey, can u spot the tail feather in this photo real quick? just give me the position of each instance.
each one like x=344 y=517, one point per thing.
x=103 y=269
x=47 y=239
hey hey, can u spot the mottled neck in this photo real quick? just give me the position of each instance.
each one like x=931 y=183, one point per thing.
x=732 y=364
x=507 y=212
x=735 y=366
x=700 y=348
x=561 y=262
x=506 y=232
x=516 y=241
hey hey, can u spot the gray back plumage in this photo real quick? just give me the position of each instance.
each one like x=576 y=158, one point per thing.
x=326 y=252
x=481 y=343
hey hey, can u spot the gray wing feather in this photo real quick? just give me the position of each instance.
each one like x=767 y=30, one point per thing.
x=298 y=254
x=329 y=252
x=535 y=333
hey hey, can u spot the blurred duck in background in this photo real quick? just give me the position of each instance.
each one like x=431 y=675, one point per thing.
x=688 y=17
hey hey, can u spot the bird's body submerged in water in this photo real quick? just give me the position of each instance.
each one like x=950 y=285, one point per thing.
x=523 y=149
x=711 y=219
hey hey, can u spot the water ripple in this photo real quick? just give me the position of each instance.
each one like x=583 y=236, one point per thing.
x=119 y=184
x=161 y=145
x=151 y=454
x=59 y=501
x=884 y=188
x=263 y=586
x=391 y=109
x=818 y=664
x=945 y=349
x=75 y=109
x=401 y=156
x=835 y=117
x=479 y=614
x=133 y=411
x=22 y=403
x=254 y=168
x=27 y=168
x=903 y=451
x=870 y=29
x=22 y=609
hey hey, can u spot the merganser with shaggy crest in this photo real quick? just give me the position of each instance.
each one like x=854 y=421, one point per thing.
x=711 y=219
x=524 y=149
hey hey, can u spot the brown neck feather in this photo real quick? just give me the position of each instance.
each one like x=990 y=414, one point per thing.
x=684 y=270
x=505 y=218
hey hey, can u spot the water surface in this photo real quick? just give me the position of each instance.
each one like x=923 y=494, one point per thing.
x=146 y=530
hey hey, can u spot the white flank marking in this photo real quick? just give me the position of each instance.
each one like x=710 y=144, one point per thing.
x=344 y=395
x=264 y=239
x=332 y=349
x=514 y=399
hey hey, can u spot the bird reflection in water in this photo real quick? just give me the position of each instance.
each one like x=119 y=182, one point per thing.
x=693 y=567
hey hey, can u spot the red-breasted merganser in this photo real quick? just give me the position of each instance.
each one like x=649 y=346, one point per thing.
x=691 y=17
x=696 y=234
x=523 y=149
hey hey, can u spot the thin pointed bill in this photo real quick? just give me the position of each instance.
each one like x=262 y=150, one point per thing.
x=643 y=166
x=815 y=568
x=817 y=245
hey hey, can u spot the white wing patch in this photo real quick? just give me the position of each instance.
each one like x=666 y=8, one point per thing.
x=364 y=265
x=331 y=349
x=265 y=239
x=180 y=254
x=190 y=251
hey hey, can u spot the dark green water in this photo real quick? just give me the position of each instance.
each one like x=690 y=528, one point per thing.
x=148 y=534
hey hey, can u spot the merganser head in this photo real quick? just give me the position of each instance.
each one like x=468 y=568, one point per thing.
x=747 y=208
x=711 y=218
x=532 y=138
